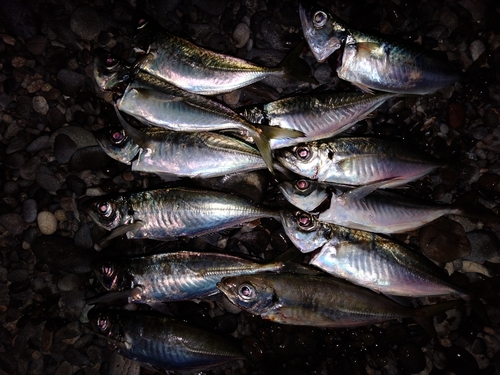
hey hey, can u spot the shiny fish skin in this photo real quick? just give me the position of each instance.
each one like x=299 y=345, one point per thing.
x=110 y=72
x=311 y=300
x=161 y=341
x=179 y=276
x=366 y=259
x=372 y=62
x=182 y=154
x=199 y=70
x=172 y=212
x=379 y=211
x=318 y=116
x=355 y=161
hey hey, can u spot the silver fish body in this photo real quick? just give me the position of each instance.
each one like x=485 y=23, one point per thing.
x=175 y=276
x=110 y=72
x=182 y=154
x=161 y=341
x=355 y=161
x=172 y=212
x=379 y=211
x=312 y=300
x=199 y=70
x=372 y=62
x=318 y=116
x=366 y=259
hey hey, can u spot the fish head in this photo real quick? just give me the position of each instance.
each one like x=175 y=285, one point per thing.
x=108 y=323
x=252 y=293
x=112 y=273
x=110 y=72
x=303 y=159
x=323 y=32
x=304 y=194
x=117 y=145
x=304 y=230
x=109 y=211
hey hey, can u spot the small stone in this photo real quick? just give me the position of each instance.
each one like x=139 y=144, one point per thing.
x=64 y=368
x=456 y=115
x=13 y=223
x=444 y=240
x=476 y=49
x=70 y=82
x=85 y=22
x=232 y=98
x=64 y=148
x=37 y=45
x=324 y=74
x=40 y=105
x=484 y=246
x=48 y=181
x=17 y=275
x=29 y=210
x=241 y=34
x=93 y=158
x=71 y=282
x=47 y=222
x=38 y=144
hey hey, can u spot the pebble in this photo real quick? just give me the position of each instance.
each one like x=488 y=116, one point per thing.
x=48 y=181
x=85 y=22
x=70 y=82
x=47 y=222
x=13 y=223
x=64 y=148
x=456 y=115
x=444 y=240
x=484 y=246
x=37 y=45
x=29 y=210
x=38 y=144
x=40 y=105
x=476 y=49
x=17 y=275
x=92 y=157
x=241 y=35
x=411 y=358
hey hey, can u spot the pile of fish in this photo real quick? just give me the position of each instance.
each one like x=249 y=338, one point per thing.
x=336 y=212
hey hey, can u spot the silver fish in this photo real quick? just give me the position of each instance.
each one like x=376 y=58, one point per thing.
x=318 y=116
x=366 y=259
x=174 y=109
x=162 y=342
x=201 y=71
x=178 y=276
x=374 y=63
x=172 y=212
x=110 y=72
x=172 y=154
x=355 y=161
x=316 y=301
x=364 y=209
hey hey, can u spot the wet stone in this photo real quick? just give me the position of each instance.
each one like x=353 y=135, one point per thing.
x=76 y=358
x=64 y=368
x=85 y=22
x=92 y=157
x=17 y=275
x=64 y=148
x=11 y=188
x=37 y=44
x=83 y=237
x=76 y=184
x=255 y=241
x=241 y=35
x=444 y=240
x=13 y=222
x=70 y=82
x=28 y=170
x=484 y=246
x=38 y=144
x=29 y=210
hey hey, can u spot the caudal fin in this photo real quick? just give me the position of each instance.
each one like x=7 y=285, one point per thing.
x=291 y=67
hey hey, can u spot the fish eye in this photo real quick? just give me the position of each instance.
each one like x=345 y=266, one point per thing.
x=117 y=136
x=107 y=269
x=303 y=152
x=125 y=77
x=104 y=209
x=302 y=185
x=246 y=291
x=320 y=19
x=304 y=221
x=103 y=323
x=110 y=62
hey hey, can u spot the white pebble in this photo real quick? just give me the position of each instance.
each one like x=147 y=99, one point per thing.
x=476 y=49
x=47 y=222
x=40 y=105
x=241 y=34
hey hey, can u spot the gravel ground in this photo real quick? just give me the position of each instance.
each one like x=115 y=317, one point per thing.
x=50 y=161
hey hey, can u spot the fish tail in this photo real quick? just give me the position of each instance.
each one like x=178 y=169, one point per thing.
x=469 y=206
x=262 y=143
x=424 y=315
x=290 y=66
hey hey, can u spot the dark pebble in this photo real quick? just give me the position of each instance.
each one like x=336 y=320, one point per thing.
x=38 y=144
x=18 y=275
x=29 y=169
x=29 y=210
x=456 y=115
x=77 y=185
x=37 y=45
x=48 y=181
x=70 y=82
x=15 y=160
x=92 y=157
x=457 y=360
x=8 y=362
x=227 y=323
x=64 y=148
x=444 y=240
x=11 y=188
x=55 y=118
x=85 y=22
x=484 y=245
x=212 y=7
x=254 y=349
x=255 y=241
x=83 y=237
x=488 y=184
x=76 y=358
x=14 y=223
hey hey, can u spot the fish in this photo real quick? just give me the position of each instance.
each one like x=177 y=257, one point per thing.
x=174 y=154
x=373 y=62
x=166 y=213
x=178 y=276
x=366 y=259
x=318 y=116
x=162 y=342
x=110 y=72
x=160 y=104
x=364 y=209
x=317 y=301
x=201 y=71
x=355 y=161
